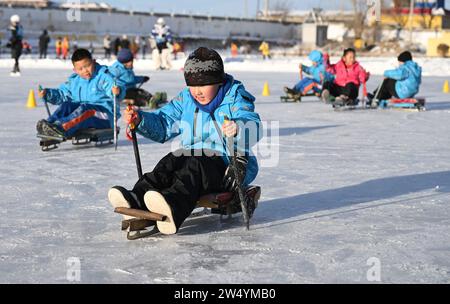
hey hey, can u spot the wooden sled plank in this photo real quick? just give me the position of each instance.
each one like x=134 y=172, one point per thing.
x=140 y=214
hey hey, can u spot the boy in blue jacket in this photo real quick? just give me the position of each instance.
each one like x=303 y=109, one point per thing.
x=122 y=70
x=213 y=106
x=403 y=82
x=317 y=75
x=85 y=100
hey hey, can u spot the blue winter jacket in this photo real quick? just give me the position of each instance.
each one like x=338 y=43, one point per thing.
x=320 y=69
x=200 y=130
x=125 y=77
x=94 y=91
x=409 y=78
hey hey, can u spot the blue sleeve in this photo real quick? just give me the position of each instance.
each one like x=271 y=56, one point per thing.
x=138 y=79
x=160 y=126
x=124 y=78
x=245 y=115
x=108 y=85
x=397 y=74
x=306 y=69
x=60 y=95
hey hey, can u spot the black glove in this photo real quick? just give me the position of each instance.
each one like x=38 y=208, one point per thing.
x=146 y=78
x=230 y=183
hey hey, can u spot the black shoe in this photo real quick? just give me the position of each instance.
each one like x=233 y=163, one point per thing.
x=251 y=196
x=120 y=197
x=45 y=128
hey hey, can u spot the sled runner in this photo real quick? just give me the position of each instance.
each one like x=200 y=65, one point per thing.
x=218 y=203
x=294 y=97
x=415 y=104
x=101 y=137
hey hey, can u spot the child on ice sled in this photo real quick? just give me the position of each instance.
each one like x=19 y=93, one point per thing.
x=199 y=115
x=349 y=75
x=122 y=70
x=317 y=75
x=85 y=100
x=403 y=82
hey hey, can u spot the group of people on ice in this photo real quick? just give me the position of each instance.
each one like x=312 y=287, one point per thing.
x=340 y=83
x=212 y=107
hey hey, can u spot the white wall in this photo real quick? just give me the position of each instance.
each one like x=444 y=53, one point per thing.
x=34 y=20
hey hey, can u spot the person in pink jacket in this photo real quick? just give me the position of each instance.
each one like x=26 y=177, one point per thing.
x=349 y=75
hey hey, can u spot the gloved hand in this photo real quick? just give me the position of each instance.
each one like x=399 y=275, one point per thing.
x=230 y=183
x=146 y=78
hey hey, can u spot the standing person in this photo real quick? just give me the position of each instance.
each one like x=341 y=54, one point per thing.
x=143 y=47
x=163 y=39
x=349 y=75
x=91 y=47
x=117 y=43
x=134 y=46
x=44 y=40
x=124 y=43
x=65 y=47
x=15 y=43
x=107 y=46
x=58 y=47
x=234 y=50
x=74 y=44
x=265 y=50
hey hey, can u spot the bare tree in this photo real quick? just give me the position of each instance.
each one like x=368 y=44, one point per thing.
x=283 y=8
x=360 y=10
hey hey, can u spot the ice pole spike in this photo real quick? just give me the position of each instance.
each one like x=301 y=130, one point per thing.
x=445 y=88
x=31 y=103
x=266 y=90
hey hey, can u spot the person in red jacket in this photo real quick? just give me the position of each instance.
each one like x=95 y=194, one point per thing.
x=349 y=75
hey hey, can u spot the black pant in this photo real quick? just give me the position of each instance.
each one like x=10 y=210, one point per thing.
x=182 y=180
x=140 y=96
x=107 y=53
x=43 y=52
x=350 y=90
x=387 y=90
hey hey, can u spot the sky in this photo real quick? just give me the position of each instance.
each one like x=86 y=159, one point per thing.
x=219 y=7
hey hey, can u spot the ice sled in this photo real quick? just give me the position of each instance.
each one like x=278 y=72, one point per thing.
x=216 y=203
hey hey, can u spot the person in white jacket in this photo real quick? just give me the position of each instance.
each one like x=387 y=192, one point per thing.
x=162 y=45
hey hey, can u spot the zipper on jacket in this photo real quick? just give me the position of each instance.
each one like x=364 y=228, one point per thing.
x=194 y=127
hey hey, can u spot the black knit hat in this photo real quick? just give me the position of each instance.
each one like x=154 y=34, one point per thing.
x=203 y=67
x=405 y=56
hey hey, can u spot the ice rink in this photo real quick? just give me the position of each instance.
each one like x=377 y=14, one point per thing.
x=346 y=189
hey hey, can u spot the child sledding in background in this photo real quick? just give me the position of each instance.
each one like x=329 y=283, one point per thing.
x=403 y=82
x=349 y=75
x=85 y=101
x=317 y=74
x=199 y=114
x=122 y=70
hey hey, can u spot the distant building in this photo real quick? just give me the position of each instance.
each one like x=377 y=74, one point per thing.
x=27 y=3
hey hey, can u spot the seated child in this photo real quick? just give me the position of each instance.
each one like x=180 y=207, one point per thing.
x=122 y=71
x=349 y=75
x=85 y=100
x=317 y=75
x=402 y=82
x=199 y=114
